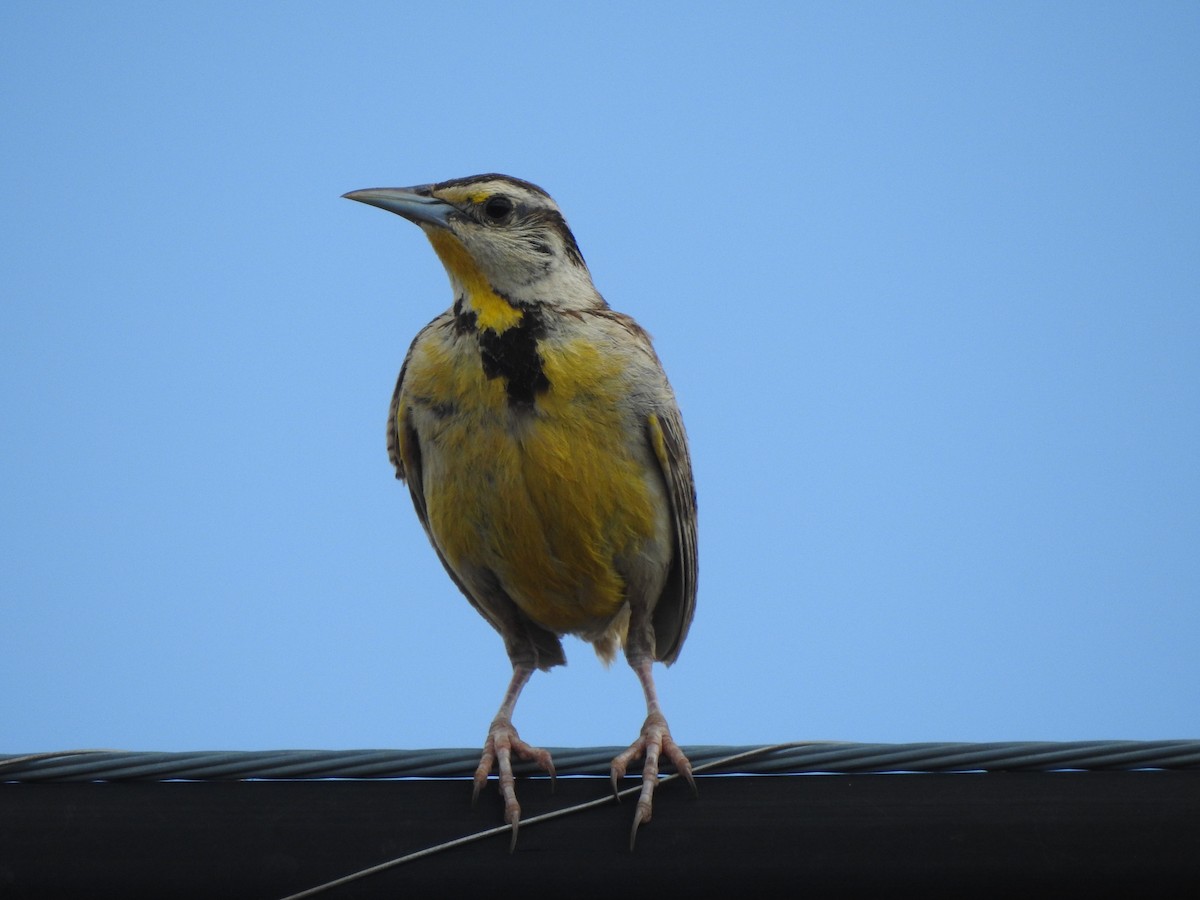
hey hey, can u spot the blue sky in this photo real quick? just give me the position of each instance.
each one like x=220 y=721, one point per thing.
x=926 y=278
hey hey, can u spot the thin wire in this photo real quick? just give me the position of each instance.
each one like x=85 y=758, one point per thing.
x=525 y=823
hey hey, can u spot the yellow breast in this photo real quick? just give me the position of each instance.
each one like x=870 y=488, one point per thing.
x=549 y=498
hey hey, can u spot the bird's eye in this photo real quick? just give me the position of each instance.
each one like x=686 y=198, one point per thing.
x=497 y=208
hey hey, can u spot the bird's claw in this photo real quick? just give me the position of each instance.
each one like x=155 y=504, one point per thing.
x=502 y=742
x=654 y=742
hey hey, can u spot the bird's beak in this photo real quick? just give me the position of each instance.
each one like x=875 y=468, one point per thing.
x=415 y=204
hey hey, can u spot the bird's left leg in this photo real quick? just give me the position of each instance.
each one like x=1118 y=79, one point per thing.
x=502 y=742
x=654 y=741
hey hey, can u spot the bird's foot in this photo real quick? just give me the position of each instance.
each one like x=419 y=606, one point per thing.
x=502 y=742
x=654 y=741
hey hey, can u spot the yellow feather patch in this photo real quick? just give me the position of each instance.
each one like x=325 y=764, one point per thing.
x=659 y=442
x=462 y=195
x=491 y=310
x=548 y=500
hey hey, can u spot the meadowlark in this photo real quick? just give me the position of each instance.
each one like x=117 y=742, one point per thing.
x=546 y=457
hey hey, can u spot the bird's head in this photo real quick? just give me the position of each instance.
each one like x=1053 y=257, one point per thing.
x=495 y=232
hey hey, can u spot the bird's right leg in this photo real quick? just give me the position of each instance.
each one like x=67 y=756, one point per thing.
x=502 y=742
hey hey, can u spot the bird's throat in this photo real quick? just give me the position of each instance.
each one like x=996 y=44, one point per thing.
x=492 y=311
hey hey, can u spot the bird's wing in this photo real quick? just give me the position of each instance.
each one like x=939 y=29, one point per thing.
x=675 y=608
x=394 y=424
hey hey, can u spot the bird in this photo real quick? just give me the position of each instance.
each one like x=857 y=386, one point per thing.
x=545 y=455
